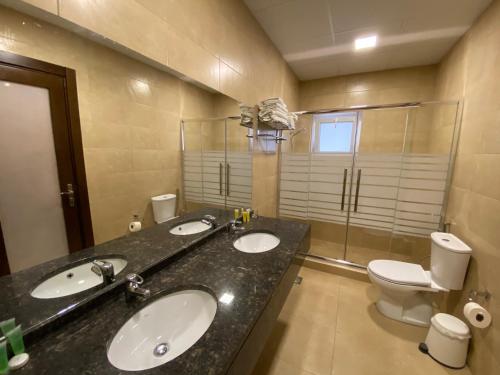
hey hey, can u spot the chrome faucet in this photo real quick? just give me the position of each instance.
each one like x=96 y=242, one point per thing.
x=104 y=269
x=134 y=289
x=209 y=220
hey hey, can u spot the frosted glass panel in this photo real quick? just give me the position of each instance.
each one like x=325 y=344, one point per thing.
x=30 y=206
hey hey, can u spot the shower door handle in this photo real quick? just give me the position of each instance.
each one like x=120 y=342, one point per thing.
x=357 y=191
x=228 y=168
x=343 y=190
x=220 y=178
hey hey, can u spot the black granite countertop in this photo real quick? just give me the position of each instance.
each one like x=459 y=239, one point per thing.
x=80 y=346
x=143 y=250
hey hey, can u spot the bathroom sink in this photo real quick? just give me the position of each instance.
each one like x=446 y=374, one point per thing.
x=162 y=330
x=256 y=242
x=74 y=280
x=191 y=227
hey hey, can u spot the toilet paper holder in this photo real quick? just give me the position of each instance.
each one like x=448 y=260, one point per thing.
x=477 y=295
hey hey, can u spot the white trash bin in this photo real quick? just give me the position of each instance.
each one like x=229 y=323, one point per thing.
x=447 y=341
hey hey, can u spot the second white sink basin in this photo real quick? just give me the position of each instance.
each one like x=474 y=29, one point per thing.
x=162 y=330
x=191 y=227
x=74 y=280
x=258 y=242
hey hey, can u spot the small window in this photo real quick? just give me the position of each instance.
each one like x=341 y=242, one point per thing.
x=334 y=133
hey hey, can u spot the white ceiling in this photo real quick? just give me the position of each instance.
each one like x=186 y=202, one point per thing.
x=316 y=37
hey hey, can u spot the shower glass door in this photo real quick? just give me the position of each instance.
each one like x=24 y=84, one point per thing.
x=377 y=166
x=401 y=171
x=316 y=174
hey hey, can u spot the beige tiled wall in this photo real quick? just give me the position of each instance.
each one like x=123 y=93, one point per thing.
x=472 y=71
x=130 y=116
x=215 y=42
x=385 y=87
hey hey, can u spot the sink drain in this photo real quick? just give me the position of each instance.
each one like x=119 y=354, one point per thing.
x=160 y=349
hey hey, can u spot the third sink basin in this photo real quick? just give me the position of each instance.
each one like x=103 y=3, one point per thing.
x=162 y=330
x=256 y=242
x=74 y=280
x=191 y=227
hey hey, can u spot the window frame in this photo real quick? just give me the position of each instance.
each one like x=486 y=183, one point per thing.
x=329 y=118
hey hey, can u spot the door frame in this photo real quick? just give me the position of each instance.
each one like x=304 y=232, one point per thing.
x=74 y=130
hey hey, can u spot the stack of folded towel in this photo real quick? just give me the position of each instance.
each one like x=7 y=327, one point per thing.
x=274 y=110
x=292 y=117
x=246 y=115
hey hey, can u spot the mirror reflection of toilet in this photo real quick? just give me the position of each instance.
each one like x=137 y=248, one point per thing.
x=403 y=286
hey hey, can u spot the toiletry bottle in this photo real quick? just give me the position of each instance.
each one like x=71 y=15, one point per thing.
x=15 y=339
x=7 y=325
x=4 y=359
x=236 y=214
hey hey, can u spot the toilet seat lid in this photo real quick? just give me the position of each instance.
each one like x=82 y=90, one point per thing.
x=399 y=272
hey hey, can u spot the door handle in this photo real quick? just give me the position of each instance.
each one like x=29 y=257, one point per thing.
x=220 y=178
x=343 y=190
x=357 y=191
x=70 y=193
x=228 y=167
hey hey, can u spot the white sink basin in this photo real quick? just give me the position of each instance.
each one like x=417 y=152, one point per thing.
x=191 y=227
x=162 y=330
x=256 y=242
x=74 y=280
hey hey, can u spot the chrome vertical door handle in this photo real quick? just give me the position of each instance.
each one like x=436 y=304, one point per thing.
x=343 y=190
x=228 y=167
x=70 y=193
x=357 y=191
x=220 y=178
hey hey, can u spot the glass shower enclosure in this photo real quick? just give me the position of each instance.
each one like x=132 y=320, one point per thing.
x=372 y=181
x=216 y=164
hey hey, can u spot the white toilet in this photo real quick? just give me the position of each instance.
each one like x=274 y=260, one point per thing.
x=163 y=207
x=403 y=286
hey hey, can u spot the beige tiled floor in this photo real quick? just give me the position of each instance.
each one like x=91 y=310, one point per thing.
x=330 y=326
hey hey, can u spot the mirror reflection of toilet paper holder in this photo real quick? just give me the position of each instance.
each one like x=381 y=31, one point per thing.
x=476 y=296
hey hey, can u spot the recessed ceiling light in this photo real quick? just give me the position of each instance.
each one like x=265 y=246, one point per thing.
x=365 y=42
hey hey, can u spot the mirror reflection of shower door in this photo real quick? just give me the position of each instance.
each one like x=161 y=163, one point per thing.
x=238 y=172
x=217 y=164
x=204 y=163
x=214 y=164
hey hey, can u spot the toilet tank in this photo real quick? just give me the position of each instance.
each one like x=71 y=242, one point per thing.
x=449 y=260
x=163 y=207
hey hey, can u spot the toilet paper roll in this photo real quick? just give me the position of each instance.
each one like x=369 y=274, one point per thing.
x=135 y=226
x=477 y=315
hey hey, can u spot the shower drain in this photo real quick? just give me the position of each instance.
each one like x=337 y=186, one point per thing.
x=160 y=349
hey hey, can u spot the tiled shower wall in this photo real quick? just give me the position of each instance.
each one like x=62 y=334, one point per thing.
x=474 y=207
